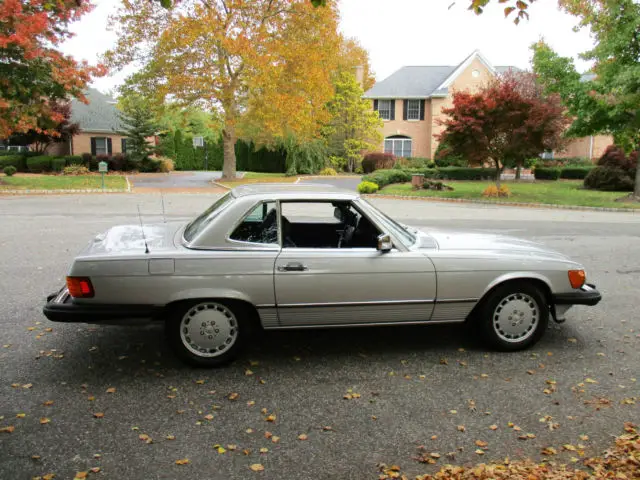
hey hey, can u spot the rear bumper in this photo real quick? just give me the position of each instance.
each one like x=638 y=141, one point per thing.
x=587 y=295
x=61 y=308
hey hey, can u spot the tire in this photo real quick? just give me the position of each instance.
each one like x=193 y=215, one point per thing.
x=514 y=316
x=206 y=333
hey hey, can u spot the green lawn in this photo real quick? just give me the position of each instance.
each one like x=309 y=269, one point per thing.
x=60 y=182
x=565 y=192
x=259 y=177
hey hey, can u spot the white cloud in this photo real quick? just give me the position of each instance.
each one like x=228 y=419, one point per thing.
x=398 y=33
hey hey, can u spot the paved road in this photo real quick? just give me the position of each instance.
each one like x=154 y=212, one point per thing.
x=175 y=180
x=301 y=377
x=346 y=183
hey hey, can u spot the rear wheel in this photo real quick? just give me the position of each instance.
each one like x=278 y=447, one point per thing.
x=514 y=316
x=205 y=333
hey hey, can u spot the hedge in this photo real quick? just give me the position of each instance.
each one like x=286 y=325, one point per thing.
x=17 y=161
x=609 y=179
x=394 y=175
x=39 y=164
x=546 y=173
x=576 y=173
x=463 y=173
x=58 y=164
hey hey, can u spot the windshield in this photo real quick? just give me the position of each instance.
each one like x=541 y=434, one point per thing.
x=200 y=223
x=389 y=224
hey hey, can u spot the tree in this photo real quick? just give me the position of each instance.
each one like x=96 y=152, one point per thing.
x=354 y=126
x=269 y=61
x=138 y=126
x=609 y=101
x=49 y=130
x=505 y=122
x=34 y=76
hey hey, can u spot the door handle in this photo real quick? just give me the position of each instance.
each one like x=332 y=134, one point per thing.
x=292 y=267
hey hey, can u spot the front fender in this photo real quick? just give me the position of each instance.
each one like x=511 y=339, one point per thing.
x=524 y=275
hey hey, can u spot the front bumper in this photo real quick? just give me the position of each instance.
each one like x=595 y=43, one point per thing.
x=60 y=307
x=586 y=295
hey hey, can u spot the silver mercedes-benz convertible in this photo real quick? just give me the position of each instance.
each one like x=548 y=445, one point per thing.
x=312 y=256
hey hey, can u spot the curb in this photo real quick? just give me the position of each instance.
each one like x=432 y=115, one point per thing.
x=126 y=177
x=220 y=185
x=63 y=190
x=506 y=204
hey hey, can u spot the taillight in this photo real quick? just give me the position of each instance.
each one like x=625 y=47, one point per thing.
x=80 y=287
x=577 y=278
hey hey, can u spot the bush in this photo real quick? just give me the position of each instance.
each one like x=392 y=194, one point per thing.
x=383 y=178
x=461 y=173
x=117 y=162
x=614 y=157
x=611 y=179
x=58 y=164
x=576 y=161
x=418 y=162
x=575 y=173
x=546 y=173
x=367 y=187
x=337 y=163
x=430 y=164
x=75 y=170
x=149 y=165
x=74 y=160
x=17 y=161
x=10 y=170
x=328 y=171
x=165 y=164
x=87 y=159
x=377 y=161
x=492 y=191
x=39 y=164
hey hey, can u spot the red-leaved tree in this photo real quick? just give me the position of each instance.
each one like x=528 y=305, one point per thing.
x=48 y=131
x=34 y=75
x=506 y=122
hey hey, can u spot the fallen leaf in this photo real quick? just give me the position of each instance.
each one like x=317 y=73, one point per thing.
x=8 y=429
x=233 y=396
x=220 y=449
x=21 y=415
x=484 y=375
x=590 y=380
x=257 y=467
x=248 y=372
x=199 y=382
x=271 y=418
x=481 y=443
x=182 y=461
x=208 y=417
x=35 y=457
x=517 y=428
x=264 y=450
x=453 y=412
x=327 y=428
x=584 y=438
x=254 y=363
x=302 y=436
x=231 y=447
x=95 y=469
x=531 y=372
x=479 y=451
x=549 y=451
x=91 y=398
x=44 y=420
x=434 y=455
x=170 y=437
x=569 y=447
x=251 y=403
x=98 y=415
x=249 y=430
x=81 y=475
x=493 y=427
x=111 y=390
x=444 y=361
x=27 y=385
x=461 y=428
x=145 y=438
x=48 y=403
x=434 y=437
x=275 y=439
x=572 y=340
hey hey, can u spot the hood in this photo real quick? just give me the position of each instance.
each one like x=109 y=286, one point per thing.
x=127 y=239
x=460 y=240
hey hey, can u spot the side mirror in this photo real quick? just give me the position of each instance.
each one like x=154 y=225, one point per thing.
x=384 y=242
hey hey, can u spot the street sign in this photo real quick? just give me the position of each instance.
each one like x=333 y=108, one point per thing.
x=198 y=142
x=103 y=167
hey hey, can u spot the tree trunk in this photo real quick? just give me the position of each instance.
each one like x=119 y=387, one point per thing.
x=518 y=168
x=228 y=146
x=498 y=172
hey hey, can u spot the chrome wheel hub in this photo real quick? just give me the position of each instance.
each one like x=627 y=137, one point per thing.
x=516 y=317
x=208 y=329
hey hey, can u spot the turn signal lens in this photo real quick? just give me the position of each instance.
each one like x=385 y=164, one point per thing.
x=577 y=278
x=80 y=287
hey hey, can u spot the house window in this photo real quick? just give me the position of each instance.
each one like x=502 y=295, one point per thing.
x=384 y=109
x=413 y=109
x=547 y=155
x=101 y=146
x=399 y=146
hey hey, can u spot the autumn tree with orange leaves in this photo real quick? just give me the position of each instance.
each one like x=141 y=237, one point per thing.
x=267 y=61
x=34 y=75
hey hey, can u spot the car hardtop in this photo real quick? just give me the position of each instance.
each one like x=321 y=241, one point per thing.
x=292 y=191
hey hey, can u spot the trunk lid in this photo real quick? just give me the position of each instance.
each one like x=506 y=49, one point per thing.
x=128 y=239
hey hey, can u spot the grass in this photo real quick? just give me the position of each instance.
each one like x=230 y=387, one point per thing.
x=259 y=177
x=563 y=192
x=60 y=182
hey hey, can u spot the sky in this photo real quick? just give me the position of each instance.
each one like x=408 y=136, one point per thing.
x=397 y=33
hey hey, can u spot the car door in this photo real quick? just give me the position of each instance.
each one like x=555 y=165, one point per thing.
x=330 y=285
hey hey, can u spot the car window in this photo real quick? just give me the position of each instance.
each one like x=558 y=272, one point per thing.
x=201 y=222
x=260 y=225
x=329 y=224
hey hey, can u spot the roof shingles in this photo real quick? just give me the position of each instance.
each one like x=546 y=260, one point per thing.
x=100 y=115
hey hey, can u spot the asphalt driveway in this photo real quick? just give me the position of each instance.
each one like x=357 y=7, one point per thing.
x=174 y=180
x=344 y=182
x=81 y=397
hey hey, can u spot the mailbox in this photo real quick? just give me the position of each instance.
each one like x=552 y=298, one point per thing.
x=103 y=167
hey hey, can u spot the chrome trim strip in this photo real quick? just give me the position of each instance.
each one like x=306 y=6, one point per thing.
x=457 y=300
x=373 y=324
x=355 y=304
x=266 y=305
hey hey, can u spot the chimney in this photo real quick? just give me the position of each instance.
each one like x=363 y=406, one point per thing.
x=360 y=75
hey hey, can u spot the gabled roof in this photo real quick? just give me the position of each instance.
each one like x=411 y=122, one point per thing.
x=100 y=115
x=426 y=81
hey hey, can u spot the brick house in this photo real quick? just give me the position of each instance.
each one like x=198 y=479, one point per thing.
x=410 y=103
x=99 y=123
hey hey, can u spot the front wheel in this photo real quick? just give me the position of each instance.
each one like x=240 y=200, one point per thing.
x=205 y=333
x=514 y=316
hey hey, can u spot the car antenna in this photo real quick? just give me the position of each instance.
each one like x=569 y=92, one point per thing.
x=146 y=247
x=164 y=219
